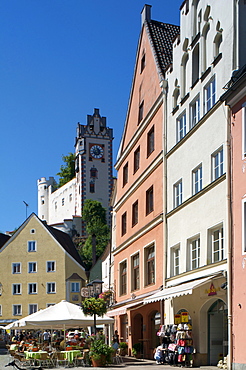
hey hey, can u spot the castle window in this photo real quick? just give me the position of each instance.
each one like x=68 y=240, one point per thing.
x=150 y=141
x=143 y=62
x=92 y=187
x=136 y=163
x=195 y=64
x=63 y=201
x=140 y=112
x=93 y=173
x=125 y=174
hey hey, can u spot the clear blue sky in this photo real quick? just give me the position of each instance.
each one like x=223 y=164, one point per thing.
x=60 y=59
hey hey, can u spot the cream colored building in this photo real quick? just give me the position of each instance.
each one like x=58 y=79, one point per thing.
x=40 y=266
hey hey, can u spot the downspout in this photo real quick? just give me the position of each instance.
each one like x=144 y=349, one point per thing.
x=229 y=235
x=164 y=86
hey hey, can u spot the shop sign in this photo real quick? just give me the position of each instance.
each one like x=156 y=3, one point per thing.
x=177 y=319
x=184 y=317
x=212 y=290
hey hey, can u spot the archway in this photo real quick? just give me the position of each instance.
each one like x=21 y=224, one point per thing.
x=217 y=332
x=137 y=334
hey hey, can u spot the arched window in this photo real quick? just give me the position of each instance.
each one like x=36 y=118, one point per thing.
x=217 y=40
x=205 y=48
x=93 y=173
x=195 y=28
x=184 y=75
x=195 y=64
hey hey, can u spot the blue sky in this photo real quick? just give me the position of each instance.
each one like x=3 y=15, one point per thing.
x=60 y=59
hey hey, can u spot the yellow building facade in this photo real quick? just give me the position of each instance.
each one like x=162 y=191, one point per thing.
x=39 y=266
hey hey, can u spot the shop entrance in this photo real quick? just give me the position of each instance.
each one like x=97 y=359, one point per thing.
x=217 y=332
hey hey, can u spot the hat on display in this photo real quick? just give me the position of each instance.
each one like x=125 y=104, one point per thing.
x=174 y=329
x=180 y=327
x=186 y=327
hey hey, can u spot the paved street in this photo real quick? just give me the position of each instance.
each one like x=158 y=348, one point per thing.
x=129 y=364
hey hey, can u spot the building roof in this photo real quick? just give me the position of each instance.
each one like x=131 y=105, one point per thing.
x=66 y=242
x=161 y=37
x=3 y=239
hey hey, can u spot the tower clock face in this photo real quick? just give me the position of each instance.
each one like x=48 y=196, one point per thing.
x=96 y=151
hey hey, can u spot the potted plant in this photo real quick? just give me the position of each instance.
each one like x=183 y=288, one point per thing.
x=91 y=306
x=100 y=353
x=123 y=348
x=137 y=349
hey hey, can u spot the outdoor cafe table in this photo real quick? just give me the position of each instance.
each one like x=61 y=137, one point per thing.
x=33 y=355
x=70 y=355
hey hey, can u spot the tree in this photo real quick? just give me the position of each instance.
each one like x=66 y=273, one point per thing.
x=94 y=216
x=67 y=171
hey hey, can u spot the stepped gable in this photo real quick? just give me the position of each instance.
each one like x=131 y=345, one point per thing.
x=66 y=242
x=162 y=36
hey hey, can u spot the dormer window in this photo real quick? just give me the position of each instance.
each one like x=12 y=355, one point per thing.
x=143 y=62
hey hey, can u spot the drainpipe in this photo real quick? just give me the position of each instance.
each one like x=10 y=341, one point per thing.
x=164 y=86
x=229 y=236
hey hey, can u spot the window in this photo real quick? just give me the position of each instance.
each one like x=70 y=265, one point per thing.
x=51 y=288
x=195 y=112
x=244 y=226
x=17 y=310
x=143 y=62
x=136 y=159
x=32 y=267
x=149 y=200
x=16 y=268
x=194 y=253
x=63 y=201
x=205 y=61
x=177 y=194
x=209 y=95
x=70 y=197
x=1 y=310
x=51 y=266
x=135 y=213
x=150 y=141
x=32 y=308
x=16 y=289
x=217 y=164
x=244 y=130
x=93 y=173
x=92 y=187
x=135 y=272
x=150 y=265
x=217 y=43
x=184 y=88
x=181 y=127
x=195 y=64
x=75 y=287
x=32 y=288
x=123 y=277
x=32 y=246
x=197 y=180
x=140 y=112
x=175 y=260
x=123 y=224
x=217 y=245
x=125 y=174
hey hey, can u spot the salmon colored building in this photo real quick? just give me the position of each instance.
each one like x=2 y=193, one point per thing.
x=139 y=257
x=235 y=98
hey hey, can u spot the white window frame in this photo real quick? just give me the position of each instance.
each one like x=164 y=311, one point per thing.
x=220 y=248
x=177 y=193
x=75 y=287
x=194 y=253
x=197 y=179
x=244 y=226
x=32 y=246
x=181 y=126
x=209 y=95
x=51 y=263
x=32 y=270
x=14 y=270
x=175 y=260
x=195 y=111
x=17 y=309
x=1 y=313
x=217 y=165
x=51 y=287
x=32 y=288
x=16 y=291
x=244 y=130
x=31 y=308
x=146 y=264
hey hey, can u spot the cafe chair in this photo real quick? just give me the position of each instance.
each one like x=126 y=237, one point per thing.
x=44 y=360
x=80 y=360
x=61 y=359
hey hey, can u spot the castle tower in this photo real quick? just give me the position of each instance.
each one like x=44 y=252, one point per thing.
x=62 y=208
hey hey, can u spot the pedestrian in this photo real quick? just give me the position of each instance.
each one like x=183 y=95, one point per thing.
x=116 y=336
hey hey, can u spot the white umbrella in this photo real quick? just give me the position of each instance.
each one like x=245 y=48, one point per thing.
x=64 y=315
x=22 y=322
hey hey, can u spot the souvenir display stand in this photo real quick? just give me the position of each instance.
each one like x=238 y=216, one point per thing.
x=177 y=345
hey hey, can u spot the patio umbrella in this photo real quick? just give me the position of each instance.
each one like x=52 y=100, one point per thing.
x=64 y=315
x=22 y=322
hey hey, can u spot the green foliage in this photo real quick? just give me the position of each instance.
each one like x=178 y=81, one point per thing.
x=137 y=348
x=123 y=345
x=95 y=217
x=99 y=348
x=91 y=306
x=67 y=171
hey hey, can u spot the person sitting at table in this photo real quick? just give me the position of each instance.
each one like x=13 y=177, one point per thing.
x=62 y=344
x=22 y=347
x=45 y=346
x=33 y=347
x=115 y=344
x=81 y=342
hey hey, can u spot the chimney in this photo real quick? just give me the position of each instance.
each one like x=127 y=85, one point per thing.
x=146 y=13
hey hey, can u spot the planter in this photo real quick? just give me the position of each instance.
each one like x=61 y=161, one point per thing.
x=99 y=362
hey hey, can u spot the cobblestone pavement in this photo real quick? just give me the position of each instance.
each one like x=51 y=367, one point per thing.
x=129 y=364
